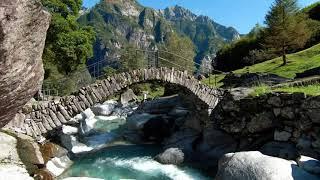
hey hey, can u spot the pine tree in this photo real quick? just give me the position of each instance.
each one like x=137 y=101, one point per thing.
x=286 y=28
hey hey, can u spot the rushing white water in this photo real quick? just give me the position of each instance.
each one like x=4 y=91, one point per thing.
x=122 y=160
x=149 y=166
x=130 y=162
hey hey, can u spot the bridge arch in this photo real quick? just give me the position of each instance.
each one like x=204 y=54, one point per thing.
x=40 y=119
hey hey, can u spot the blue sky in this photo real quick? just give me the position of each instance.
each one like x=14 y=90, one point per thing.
x=241 y=14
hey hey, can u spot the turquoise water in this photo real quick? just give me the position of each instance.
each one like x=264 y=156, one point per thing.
x=129 y=162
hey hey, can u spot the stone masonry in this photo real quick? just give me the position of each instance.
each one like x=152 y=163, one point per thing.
x=40 y=119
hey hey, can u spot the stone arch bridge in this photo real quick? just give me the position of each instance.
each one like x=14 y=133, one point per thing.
x=40 y=119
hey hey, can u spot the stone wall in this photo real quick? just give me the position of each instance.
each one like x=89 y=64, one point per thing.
x=39 y=119
x=275 y=122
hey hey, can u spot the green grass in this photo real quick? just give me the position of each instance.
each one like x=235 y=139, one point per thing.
x=297 y=63
x=261 y=90
x=213 y=81
x=312 y=90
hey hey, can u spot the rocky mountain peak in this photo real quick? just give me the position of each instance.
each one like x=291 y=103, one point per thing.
x=178 y=13
x=125 y=7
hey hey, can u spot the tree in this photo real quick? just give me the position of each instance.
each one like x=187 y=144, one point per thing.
x=177 y=51
x=286 y=28
x=68 y=45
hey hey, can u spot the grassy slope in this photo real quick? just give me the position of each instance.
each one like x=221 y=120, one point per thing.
x=313 y=90
x=297 y=62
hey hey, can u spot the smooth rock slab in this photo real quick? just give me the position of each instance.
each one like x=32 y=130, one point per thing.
x=256 y=166
x=11 y=166
x=13 y=172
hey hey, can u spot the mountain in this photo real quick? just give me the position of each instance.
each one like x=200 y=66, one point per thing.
x=122 y=22
x=207 y=35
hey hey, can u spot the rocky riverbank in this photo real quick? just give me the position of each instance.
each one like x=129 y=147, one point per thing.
x=187 y=137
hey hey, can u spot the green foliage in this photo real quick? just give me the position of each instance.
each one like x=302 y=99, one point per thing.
x=214 y=80
x=177 y=45
x=233 y=56
x=109 y=71
x=314 y=27
x=63 y=7
x=132 y=59
x=153 y=90
x=68 y=45
x=73 y=49
x=207 y=36
x=287 y=29
x=313 y=11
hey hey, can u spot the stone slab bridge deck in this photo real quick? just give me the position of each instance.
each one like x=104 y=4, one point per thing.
x=39 y=119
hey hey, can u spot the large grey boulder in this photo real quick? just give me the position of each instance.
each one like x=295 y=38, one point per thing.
x=256 y=166
x=23 y=26
x=171 y=156
x=105 y=109
x=29 y=153
x=127 y=97
x=11 y=166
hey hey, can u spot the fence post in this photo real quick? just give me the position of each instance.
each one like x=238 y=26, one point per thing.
x=157 y=59
x=215 y=80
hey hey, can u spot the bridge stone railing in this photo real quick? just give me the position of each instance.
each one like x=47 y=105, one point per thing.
x=42 y=118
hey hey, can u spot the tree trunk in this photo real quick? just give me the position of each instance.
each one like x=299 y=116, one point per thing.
x=284 y=57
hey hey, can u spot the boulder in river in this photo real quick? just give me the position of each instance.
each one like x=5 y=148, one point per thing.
x=69 y=130
x=71 y=143
x=127 y=97
x=171 y=156
x=58 y=165
x=256 y=166
x=105 y=109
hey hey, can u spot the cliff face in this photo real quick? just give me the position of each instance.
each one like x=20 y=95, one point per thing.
x=23 y=26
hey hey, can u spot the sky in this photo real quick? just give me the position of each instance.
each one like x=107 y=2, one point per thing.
x=240 y=14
